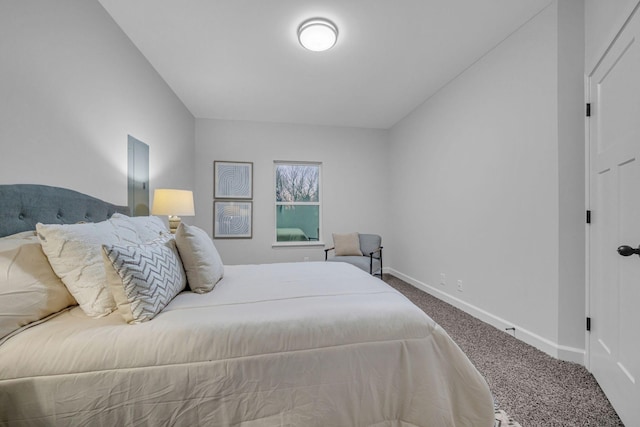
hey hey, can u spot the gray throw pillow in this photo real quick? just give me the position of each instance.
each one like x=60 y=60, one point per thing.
x=200 y=258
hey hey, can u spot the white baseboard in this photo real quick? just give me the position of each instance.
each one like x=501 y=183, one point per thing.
x=553 y=349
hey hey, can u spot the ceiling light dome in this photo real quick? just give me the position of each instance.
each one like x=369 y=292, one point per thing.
x=317 y=34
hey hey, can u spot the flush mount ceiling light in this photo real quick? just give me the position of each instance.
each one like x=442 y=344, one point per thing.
x=317 y=34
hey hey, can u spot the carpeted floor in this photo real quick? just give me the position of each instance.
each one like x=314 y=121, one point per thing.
x=532 y=387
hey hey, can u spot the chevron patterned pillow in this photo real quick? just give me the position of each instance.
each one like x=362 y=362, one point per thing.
x=143 y=278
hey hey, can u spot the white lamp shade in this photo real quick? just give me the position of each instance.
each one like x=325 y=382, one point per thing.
x=317 y=34
x=172 y=202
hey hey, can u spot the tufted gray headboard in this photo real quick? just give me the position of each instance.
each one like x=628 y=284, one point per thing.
x=24 y=205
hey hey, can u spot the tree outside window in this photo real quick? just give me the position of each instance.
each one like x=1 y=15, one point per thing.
x=297 y=191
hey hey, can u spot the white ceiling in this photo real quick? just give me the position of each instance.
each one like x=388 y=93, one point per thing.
x=240 y=59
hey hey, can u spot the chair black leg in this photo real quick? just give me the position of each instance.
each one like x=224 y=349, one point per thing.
x=371 y=265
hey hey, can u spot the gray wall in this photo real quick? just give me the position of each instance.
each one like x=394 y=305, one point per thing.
x=72 y=88
x=355 y=177
x=478 y=165
x=571 y=175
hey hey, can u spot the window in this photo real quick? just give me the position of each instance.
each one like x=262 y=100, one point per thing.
x=297 y=193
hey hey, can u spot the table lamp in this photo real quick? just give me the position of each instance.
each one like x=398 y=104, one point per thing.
x=173 y=203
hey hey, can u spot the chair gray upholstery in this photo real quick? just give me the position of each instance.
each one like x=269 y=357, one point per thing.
x=371 y=259
x=370 y=243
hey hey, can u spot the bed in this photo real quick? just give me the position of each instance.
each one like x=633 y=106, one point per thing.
x=291 y=344
x=291 y=235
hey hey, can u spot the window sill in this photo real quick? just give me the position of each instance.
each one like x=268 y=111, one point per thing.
x=311 y=244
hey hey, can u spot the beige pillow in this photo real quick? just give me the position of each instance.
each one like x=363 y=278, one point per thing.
x=347 y=244
x=75 y=254
x=29 y=289
x=143 y=278
x=200 y=258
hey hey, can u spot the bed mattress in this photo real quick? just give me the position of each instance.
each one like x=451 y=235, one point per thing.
x=294 y=344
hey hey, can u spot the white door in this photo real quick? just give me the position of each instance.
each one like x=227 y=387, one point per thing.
x=614 y=295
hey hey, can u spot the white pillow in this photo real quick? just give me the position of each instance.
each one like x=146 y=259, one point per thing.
x=200 y=258
x=147 y=228
x=143 y=278
x=29 y=289
x=74 y=252
x=347 y=244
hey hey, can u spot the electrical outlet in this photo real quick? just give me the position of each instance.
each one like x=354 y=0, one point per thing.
x=443 y=279
x=459 y=285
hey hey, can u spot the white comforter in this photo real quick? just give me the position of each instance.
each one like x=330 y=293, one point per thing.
x=300 y=344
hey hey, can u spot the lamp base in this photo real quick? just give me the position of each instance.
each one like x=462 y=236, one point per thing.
x=174 y=222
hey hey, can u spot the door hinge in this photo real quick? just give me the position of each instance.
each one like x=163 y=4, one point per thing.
x=588 y=323
x=588 y=109
x=588 y=217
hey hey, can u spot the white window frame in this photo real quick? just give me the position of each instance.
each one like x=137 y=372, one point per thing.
x=318 y=242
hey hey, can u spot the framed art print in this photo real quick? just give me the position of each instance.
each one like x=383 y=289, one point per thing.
x=232 y=220
x=232 y=180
